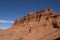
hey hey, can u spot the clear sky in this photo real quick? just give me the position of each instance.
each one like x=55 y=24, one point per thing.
x=10 y=10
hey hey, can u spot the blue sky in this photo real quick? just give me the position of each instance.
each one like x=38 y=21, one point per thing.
x=10 y=10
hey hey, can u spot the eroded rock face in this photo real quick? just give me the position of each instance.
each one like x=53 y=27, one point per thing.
x=40 y=25
x=34 y=16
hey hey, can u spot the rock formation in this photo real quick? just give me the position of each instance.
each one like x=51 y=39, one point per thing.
x=40 y=25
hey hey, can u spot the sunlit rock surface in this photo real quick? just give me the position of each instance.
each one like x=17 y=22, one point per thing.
x=40 y=25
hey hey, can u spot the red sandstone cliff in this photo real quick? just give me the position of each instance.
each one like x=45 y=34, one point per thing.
x=40 y=25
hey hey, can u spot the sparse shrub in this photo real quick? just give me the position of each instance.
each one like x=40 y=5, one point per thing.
x=21 y=39
x=54 y=25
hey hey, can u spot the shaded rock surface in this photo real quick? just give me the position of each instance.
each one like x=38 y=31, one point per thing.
x=40 y=25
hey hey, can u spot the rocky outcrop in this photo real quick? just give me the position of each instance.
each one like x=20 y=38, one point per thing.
x=34 y=16
x=40 y=25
